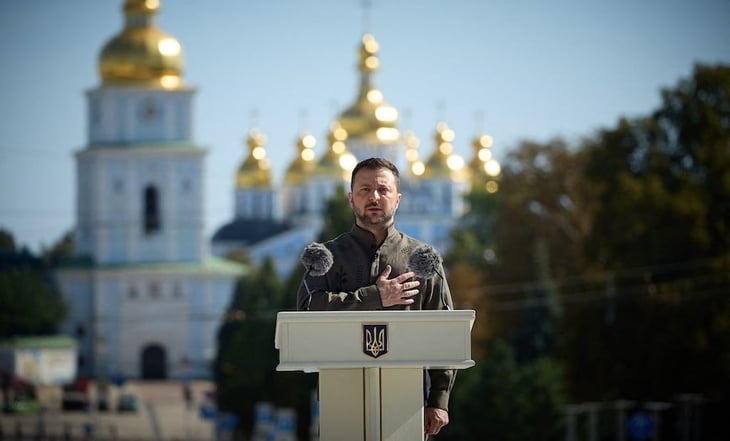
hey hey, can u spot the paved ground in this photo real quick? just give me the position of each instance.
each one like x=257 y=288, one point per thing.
x=162 y=415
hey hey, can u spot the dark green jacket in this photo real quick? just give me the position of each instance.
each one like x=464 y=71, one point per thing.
x=350 y=285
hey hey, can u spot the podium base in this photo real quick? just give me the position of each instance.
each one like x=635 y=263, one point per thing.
x=371 y=404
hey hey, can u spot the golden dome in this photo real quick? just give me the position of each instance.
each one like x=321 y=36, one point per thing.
x=142 y=55
x=302 y=167
x=370 y=118
x=330 y=165
x=444 y=163
x=416 y=167
x=483 y=167
x=254 y=172
x=437 y=164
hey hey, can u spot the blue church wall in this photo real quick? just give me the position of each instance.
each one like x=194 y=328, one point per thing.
x=197 y=342
x=153 y=247
x=441 y=235
x=187 y=243
x=119 y=134
x=286 y=249
x=118 y=242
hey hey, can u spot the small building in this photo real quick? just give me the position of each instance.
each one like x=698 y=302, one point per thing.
x=40 y=360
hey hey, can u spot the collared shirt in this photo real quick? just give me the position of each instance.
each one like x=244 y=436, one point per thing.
x=350 y=284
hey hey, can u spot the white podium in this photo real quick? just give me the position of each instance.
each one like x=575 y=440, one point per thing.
x=371 y=364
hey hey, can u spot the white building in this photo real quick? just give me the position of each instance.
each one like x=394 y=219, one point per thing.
x=145 y=299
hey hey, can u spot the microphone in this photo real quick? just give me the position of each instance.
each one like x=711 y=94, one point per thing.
x=425 y=262
x=317 y=259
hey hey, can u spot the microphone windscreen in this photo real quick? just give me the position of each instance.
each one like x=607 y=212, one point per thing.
x=317 y=259
x=424 y=261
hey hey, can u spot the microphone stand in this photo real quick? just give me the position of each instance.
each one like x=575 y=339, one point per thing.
x=443 y=298
x=306 y=286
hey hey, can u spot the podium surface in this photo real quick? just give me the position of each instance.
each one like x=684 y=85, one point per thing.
x=371 y=364
x=315 y=340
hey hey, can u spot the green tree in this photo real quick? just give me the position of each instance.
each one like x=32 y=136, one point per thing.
x=473 y=237
x=471 y=260
x=663 y=181
x=656 y=347
x=338 y=218
x=245 y=366
x=536 y=334
x=695 y=117
x=60 y=251
x=30 y=303
x=7 y=241
x=502 y=399
x=543 y=199
x=658 y=324
x=261 y=293
x=518 y=241
x=626 y=235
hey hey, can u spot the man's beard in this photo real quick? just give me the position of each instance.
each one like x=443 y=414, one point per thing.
x=367 y=220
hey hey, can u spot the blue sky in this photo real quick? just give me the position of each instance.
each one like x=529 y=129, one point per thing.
x=515 y=69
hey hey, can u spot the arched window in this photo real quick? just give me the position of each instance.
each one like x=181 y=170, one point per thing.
x=151 y=207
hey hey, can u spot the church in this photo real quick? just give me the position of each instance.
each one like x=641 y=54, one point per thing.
x=147 y=291
x=276 y=221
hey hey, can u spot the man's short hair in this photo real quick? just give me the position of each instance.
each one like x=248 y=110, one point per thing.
x=374 y=164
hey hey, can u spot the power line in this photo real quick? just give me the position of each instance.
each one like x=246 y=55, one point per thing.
x=589 y=296
x=607 y=276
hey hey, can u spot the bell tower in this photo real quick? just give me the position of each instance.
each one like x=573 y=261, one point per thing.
x=145 y=297
x=140 y=178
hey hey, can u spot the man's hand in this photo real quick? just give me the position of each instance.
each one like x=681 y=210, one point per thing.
x=434 y=419
x=396 y=291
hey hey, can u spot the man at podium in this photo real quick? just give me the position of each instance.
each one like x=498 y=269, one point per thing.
x=367 y=268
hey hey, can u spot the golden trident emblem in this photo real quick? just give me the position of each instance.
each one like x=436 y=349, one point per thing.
x=375 y=339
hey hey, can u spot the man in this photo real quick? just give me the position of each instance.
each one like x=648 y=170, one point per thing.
x=370 y=270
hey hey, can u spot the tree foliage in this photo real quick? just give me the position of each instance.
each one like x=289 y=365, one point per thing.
x=471 y=259
x=660 y=234
x=7 y=241
x=61 y=251
x=520 y=239
x=339 y=217
x=502 y=399
x=30 y=303
x=245 y=366
x=618 y=247
x=663 y=182
x=544 y=200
